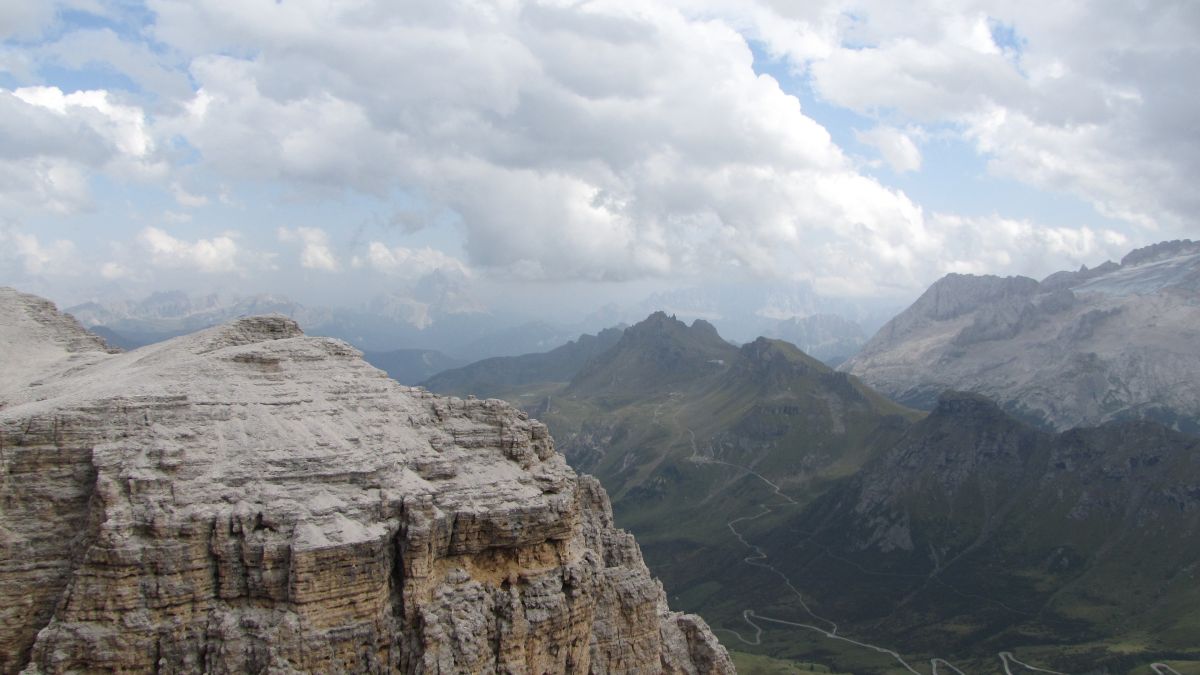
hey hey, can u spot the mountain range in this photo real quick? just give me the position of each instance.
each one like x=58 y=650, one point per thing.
x=688 y=431
x=809 y=518
x=1078 y=348
x=1043 y=514
x=499 y=376
x=444 y=335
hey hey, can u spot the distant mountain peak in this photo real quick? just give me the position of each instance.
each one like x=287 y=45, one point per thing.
x=1116 y=341
x=955 y=293
x=771 y=352
x=660 y=324
x=1160 y=251
x=656 y=352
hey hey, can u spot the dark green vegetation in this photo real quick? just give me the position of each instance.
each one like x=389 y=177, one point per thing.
x=978 y=534
x=784 y=501
x=757 y=664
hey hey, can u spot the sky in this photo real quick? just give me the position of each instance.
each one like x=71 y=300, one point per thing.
x=560 y=155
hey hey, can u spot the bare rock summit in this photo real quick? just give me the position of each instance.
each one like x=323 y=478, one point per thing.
x=1118 y=341
x=249 y=499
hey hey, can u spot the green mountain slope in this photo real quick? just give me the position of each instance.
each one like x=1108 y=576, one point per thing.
x=651 y=358
x=502 y=376
x=978 y=534
x=687 y=432
x=810 y=519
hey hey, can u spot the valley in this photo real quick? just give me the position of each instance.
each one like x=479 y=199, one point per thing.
x=769 y=493
x=610 y=337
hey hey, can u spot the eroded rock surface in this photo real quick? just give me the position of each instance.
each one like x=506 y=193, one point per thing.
x=1120 y=341
x=248 y=499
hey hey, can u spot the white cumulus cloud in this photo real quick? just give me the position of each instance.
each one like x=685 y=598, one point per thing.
x=58 y=257
x=1088 y=99
x=216 y=255
x=605 y=141
x=51 y=142
x=409 y=263
x=315 y=252
x=894 y=145
x=622 y=140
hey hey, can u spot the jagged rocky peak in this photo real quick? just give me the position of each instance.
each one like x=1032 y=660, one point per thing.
x=662 y=329
x=1161 y=251
x=1117 y=341
x=660 y=323
x=249 y=499
x=955 y=294
x=657 y=352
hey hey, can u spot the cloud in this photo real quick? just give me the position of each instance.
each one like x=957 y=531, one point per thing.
x=1086 y=99
x=25 y=18
x=213 y=256
x=113 y=270
x=151 y=70
x=122 y=127
x=998 y=245
x=185 y=198
x=58 y=257
x=315 y=253
x=409 y=263
x=53 y=185
x=51 y=142
x=895 y=146
x=607 y=141
x=623 y=140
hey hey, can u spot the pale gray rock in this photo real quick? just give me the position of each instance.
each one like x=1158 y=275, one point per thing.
x=1079 y=348
x=830 y=338
x=249 y=499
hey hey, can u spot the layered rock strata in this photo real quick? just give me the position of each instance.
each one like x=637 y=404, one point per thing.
x=1120 y=341
x=248 y=499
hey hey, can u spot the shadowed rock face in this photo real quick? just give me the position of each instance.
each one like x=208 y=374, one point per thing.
x=1121 y=341
x=248 y=499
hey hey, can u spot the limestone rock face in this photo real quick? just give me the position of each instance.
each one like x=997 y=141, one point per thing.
x=248 y=499
x=1120 y=341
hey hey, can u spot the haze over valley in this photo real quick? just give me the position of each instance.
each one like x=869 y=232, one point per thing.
x=679 y=336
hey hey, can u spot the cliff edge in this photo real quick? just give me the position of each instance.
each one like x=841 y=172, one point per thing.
x=249 y=499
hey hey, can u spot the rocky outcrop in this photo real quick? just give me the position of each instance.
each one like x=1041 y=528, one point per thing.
x=1119 y=341
x=249 y=499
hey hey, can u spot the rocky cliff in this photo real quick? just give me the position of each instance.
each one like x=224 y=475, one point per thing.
x=1120 y=341
x=248 y=499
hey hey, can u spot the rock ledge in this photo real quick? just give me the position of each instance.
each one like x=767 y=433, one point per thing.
x=248 y=499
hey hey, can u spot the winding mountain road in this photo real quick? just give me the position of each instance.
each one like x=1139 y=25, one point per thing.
x=934 y=663
x=758 y=558
x=826 y=627
x=1007 y=657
